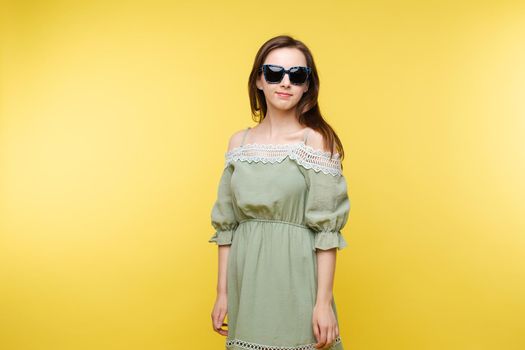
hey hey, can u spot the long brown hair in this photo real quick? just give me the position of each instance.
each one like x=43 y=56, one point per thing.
x=307 y=109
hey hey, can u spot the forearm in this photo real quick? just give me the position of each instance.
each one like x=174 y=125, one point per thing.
x=325 y=275
x=224 y=251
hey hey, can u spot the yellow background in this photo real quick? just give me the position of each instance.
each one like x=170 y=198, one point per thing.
x=114 y=119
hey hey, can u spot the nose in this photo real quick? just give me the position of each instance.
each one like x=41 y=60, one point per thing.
x=286 y=80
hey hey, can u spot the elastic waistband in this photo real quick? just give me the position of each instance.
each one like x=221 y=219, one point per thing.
x=274 y=221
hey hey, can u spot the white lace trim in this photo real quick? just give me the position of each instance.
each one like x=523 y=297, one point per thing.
x=304 y=155
x=254 y=346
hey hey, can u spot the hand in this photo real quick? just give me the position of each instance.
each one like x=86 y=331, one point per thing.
x=325 y=325
x=220 y=309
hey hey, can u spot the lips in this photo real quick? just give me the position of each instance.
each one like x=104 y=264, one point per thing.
x=283 y=94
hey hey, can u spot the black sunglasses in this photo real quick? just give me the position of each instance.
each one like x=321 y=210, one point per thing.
x=274 y=74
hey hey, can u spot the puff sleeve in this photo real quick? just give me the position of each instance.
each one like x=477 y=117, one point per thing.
x=223 y=217
x=327 y=208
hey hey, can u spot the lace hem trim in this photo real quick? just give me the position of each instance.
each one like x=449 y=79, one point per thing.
x=304 y=155
x=242 y=344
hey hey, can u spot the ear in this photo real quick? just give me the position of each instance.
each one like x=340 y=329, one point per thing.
x=257 y=83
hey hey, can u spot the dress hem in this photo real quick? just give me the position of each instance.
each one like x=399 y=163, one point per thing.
x=237 y=344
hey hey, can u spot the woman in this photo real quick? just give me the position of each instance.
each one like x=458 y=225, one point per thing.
x=282 y=201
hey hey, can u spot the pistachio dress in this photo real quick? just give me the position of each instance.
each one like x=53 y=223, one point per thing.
x=277 y=204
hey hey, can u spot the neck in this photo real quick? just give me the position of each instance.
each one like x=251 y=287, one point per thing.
x=279 y=122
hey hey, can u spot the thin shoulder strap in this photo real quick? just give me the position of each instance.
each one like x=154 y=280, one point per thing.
x=244 y=135
x=306 y=136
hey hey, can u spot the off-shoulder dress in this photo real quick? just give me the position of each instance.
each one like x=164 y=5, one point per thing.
x=276 y=205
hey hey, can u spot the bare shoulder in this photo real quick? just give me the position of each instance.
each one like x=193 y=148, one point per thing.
x=236 y=139
x=316 y=140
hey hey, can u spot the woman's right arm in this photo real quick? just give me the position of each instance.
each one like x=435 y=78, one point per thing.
x=224 y=250
x=224 y=221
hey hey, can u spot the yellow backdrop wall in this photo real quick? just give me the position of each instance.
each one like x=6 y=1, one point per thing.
x=114 y=120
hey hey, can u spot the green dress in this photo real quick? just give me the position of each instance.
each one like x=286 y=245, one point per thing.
x=277 y=204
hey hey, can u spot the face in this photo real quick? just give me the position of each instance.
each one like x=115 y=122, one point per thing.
x=283 y=95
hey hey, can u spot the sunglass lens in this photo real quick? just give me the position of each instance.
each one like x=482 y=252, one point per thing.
x=273 y=74
x=298 y=75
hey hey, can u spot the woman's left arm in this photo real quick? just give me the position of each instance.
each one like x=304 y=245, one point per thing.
x=325 y=326
x=326 y=260
x=326 y=213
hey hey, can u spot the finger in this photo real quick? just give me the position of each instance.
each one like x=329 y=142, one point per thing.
x=322 y=337
x=328 y=336
x=222 y=316
x=219 y=328
x=214 y=322
x=223 y=331
x=328 y=341
x=325 y=332
x=320 y=344
x=332 y=336
x=217 y=321
x=316 y=331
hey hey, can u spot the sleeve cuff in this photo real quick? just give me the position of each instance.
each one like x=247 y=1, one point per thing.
x=222 y=237
x=329 y=239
